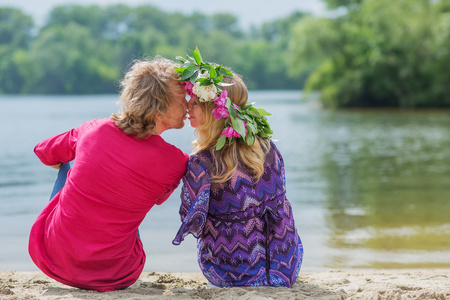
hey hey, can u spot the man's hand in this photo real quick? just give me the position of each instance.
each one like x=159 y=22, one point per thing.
x=57 y=167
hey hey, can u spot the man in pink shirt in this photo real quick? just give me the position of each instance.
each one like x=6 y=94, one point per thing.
x=87 y=235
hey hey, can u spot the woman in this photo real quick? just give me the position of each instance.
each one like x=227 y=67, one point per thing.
x=87 y=235
x=234 y=196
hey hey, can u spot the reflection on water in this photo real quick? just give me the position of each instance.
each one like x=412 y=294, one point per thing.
x=368 y=188
x=388 y=178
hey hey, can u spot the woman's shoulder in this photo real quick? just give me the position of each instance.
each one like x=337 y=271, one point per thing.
x=274 y=148
x=204 y=156
x=203 y=159
x=273 y=156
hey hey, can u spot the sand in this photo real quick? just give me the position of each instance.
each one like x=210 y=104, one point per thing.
x=337 y=284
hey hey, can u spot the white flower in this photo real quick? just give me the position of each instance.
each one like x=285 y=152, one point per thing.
x=204 y=75
x=205 y=93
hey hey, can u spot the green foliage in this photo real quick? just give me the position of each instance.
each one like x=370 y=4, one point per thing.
x=15 y=28
x=376 y=53
x=200 y=78
x=227 y=23
x=73 y=64
x=381 y=53
x=85 y=49
x=15 y=36
x=348 y=4
x=12 y=60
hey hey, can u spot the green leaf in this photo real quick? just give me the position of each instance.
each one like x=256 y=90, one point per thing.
x=251 y=128
x=249 y=139
x=245 y=117
x=232 y=112
x=225 y=72
x=231 y=109
x=227 y=103
x=254 y=113
x=238 y=125
x=179 y=70
x=180 y=59
x=187 y=64
x=263 y=113
x=218 y=79
x=212 y=72
x=205 y=82
x=192 y=67
x=188 y=72
x=220 y=142
x=197 y=56
x=194 y=76
x=239 y=114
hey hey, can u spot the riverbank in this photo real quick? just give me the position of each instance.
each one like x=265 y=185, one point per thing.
x=338 y=284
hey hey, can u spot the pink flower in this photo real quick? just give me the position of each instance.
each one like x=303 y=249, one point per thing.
x=222 y=99
x=187 y=85
x=230 y=132
x=221 y=112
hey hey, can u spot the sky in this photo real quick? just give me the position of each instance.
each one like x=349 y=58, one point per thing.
x=248 y=12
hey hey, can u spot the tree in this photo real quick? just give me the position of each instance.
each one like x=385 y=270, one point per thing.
x=15 y=28
x=92 y=17
x=274 y=67
x=380 y=54
x=74 y=63
x=85 y=49
x=227 y=23
x=348 y=4
x=15 y=36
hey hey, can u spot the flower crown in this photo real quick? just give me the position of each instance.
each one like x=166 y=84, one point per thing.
x=205 y=80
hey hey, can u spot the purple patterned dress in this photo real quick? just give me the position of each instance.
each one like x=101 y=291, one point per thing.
x=245 y=231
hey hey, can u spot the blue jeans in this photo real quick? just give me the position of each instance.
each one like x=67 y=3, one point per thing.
x=61 y=181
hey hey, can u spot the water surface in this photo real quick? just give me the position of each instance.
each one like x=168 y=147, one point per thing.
x=369 y=188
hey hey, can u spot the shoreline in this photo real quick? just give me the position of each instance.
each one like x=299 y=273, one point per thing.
x=333 y=284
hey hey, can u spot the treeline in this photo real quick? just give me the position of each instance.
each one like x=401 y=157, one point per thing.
x=381 y=53
x=373 y=53
x=86 y=49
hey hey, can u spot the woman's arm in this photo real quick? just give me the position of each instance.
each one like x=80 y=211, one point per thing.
x=194 y=200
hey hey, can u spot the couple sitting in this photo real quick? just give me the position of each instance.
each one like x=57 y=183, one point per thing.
x=233 y=198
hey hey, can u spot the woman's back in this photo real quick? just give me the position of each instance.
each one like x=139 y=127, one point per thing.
x=244 y=227
x=249 y=231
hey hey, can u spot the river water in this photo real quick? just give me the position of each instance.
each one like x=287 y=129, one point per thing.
x=369 y=188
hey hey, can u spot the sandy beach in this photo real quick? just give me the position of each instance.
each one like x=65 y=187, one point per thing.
x=336 y=284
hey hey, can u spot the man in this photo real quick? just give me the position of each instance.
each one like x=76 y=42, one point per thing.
x=87 y=235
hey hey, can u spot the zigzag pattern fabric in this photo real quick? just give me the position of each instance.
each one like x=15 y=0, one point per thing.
x=245 y=231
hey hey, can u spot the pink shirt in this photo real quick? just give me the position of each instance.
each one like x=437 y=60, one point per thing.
x=86 y=236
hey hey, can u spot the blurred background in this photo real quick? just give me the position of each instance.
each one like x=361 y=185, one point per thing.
x=359 y=91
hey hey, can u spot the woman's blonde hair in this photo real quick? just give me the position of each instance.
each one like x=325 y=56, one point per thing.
x=227 y=158
x=147 y=90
